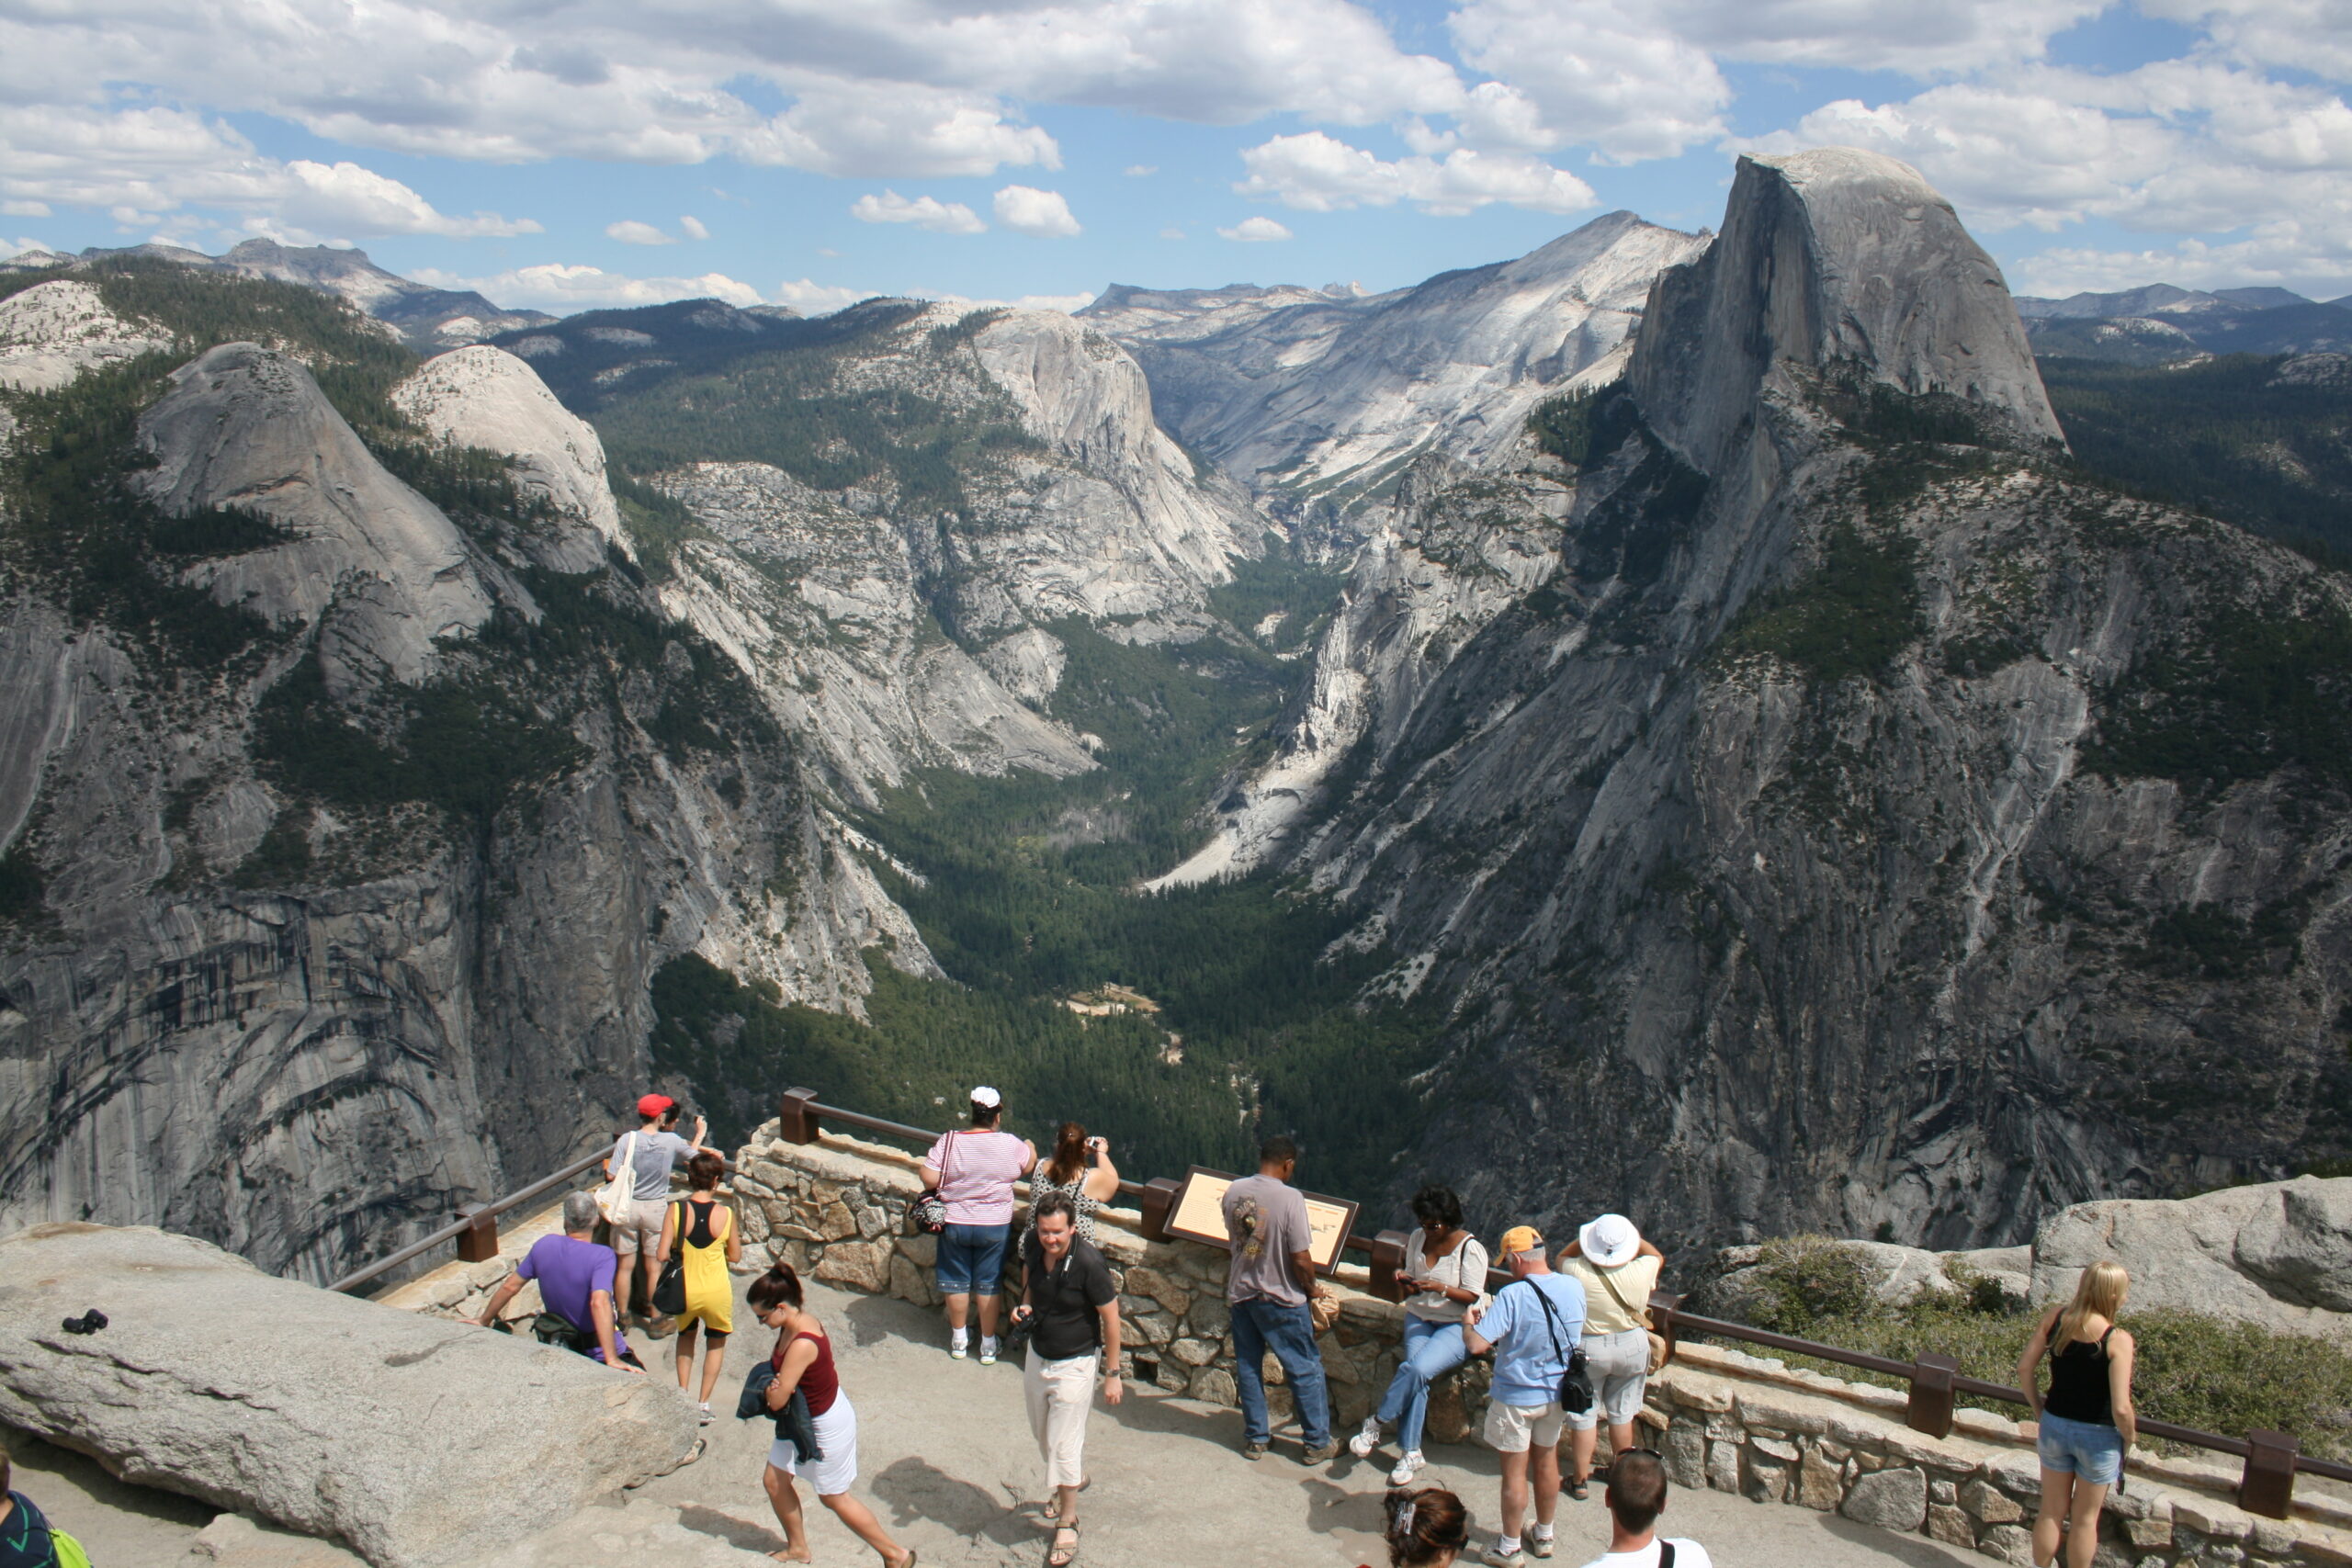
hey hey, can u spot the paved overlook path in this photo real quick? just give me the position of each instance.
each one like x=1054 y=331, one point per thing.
x=945 y=1457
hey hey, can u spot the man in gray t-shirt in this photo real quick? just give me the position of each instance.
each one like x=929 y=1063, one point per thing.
x=1267 y=1285
x=651 y=1151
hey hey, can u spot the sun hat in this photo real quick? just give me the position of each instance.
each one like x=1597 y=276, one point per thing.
x=1609 y=1240
x=985 y=1097
x=1521 y=1238
x=654 y=1104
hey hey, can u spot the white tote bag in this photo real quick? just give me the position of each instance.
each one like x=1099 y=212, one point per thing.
x=613 y=1198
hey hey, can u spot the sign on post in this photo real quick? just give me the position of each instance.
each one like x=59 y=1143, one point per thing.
x=1198 y=1214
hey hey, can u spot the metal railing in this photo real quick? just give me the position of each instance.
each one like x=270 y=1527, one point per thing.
x=2272 y=1460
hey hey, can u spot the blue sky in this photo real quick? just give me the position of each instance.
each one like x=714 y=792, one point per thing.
x=1037 y=150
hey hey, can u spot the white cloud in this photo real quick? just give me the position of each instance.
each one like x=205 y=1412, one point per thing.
x=813 y=298
x=1607 y=74
x=143 y=163
x=2303 y=35
x=1042 y=214
x=1255 y=231
x=24 y=209
x=1171 y=233
x=923 y=212
x=1316 y=172
x=19 y=247
x=1137 y=171
x=694 y=229
x=564 y=289
x=1868 y=35
x=630 y=231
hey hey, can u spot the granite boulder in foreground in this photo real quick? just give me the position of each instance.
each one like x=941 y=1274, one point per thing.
x=418 y=1441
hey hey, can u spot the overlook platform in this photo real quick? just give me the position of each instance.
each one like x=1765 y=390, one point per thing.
x=945 y=1462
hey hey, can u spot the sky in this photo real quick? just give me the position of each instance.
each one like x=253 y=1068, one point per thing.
x=571 y=154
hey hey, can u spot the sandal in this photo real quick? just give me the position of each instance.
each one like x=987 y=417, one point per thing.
x=1578 y=1490
x=1060 y=1556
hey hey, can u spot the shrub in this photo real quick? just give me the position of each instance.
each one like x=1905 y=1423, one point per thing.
x=1850 y=616
x=1802 y=1282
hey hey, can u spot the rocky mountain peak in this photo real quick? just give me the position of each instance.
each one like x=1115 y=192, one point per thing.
x=1829 y=259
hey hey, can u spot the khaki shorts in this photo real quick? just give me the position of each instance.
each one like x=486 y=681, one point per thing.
x=1514 y=1429
x=640 y=1230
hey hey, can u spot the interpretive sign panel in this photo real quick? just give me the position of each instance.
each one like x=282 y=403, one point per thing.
x=1198 y=1214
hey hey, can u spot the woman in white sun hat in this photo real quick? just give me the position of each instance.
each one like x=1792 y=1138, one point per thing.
x=1618 y=1269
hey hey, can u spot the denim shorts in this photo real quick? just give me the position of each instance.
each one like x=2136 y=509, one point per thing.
x=971 y=1260
x=2092 y=1452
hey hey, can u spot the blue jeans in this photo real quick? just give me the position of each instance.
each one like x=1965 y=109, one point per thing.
x=971 y=1260
x=1431 y=1350
x=1261 y=1326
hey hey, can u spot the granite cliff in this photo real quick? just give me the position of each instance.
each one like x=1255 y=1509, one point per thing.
x=1812 y=805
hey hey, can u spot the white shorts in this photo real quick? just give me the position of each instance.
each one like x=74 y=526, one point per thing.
x=836 y=1472
x=1514 y=1429
x=1617 y=1369
x=640 y=1229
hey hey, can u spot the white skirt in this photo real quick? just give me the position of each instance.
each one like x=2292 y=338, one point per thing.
x=837 y=1436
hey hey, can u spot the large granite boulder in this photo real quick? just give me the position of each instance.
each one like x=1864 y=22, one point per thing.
x=1729 y=1287
x=418 y=1441
x=2279 y=1253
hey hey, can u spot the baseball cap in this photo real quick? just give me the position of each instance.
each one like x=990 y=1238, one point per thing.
x=654 y=1104
x=1521 y=1238
x=986 y=1098
x=1609 y=1240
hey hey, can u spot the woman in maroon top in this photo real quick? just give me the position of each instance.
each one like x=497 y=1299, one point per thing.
x=804 y=1361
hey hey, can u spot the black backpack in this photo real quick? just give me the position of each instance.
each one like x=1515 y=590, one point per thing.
x=1576 y=1387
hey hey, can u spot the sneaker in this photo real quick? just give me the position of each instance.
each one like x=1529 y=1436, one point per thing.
x=1365 y=1441
x=959 y=1349
x=1499 y=1556
x=1538 y=1545
x=1253 y=1450
x=703 y=1410
x=1407 y=1468
x=988 y=1352
x=1329 y=1451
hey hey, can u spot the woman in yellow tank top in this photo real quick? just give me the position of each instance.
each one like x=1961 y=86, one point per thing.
x=702 y=1230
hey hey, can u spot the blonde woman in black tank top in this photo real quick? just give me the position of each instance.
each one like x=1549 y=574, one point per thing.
x=2087 y=1419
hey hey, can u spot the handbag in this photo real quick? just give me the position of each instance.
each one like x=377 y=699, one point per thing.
x=613 y=1198
x=1575 y=1387
x=929 y=1211
x=1657 y=1340
x=670 y=1290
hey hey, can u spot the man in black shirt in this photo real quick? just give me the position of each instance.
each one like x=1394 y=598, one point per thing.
x=1071 y=1309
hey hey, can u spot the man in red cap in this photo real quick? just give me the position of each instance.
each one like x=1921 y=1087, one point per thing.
x=651 y=1151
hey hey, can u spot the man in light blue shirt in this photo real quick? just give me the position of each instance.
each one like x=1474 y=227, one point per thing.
x=1531 y=1327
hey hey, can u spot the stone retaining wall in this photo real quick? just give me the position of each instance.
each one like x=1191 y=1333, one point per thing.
x=837 y=1210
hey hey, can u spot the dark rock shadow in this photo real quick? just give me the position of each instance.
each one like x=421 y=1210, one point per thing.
x=1907 y=1549
x=31 y=1456
x=916 y=1489
x=735 y=1532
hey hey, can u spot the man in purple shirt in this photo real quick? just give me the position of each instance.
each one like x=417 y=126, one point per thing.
x=575 y=1278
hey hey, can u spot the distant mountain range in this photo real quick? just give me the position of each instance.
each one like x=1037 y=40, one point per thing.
x=2159 y=325
x=427 y=319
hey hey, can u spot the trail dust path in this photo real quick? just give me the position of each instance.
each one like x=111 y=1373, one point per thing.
x=946 y=1461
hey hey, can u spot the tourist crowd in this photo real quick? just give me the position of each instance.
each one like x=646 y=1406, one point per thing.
x=1568 y=1334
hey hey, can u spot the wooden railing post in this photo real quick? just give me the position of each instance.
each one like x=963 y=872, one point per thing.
x=1158 y=1203
x=1931 y=1395
x=1388 y=1266
x=797 y=1117
x=477 y=1243
x=1662 y=1304
x=2268 y=1485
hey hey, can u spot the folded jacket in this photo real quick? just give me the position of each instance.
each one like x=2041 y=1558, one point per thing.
x=794 y=1424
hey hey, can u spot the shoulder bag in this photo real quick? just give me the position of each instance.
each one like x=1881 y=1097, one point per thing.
x=670 y=1290
x=1657 y=1340
x=1575 y=1389
x=929 y=1211
x=613 y=1198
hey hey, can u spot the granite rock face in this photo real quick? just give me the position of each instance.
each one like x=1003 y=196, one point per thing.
x=1828 y=258
x=1766 y=799
x=53 y=331
x=1320 y=399
x=420 y=1441
x=486 y=397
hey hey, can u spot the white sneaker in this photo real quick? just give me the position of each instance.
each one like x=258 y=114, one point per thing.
x=988 y=1351
x=1407 y=1468
x=957 y=1346
x=704 y=1410
x=1365 y=1441
x=1501 y=1556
